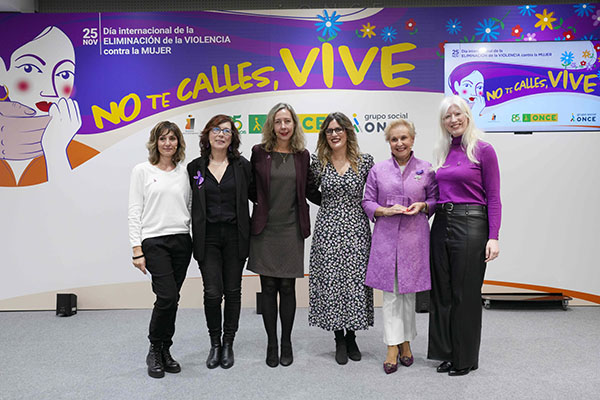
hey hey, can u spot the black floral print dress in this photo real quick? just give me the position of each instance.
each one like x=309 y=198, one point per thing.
x=340 y=248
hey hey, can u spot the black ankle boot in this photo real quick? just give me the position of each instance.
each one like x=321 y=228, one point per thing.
x=154 y=361
x=352 y=347
x=169 y=364
x=214 y=356
x=287 y=355
x=273 y=355
x=341 y=351
x=227 y=354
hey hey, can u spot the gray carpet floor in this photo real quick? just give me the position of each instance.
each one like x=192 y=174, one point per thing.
x=525 y=354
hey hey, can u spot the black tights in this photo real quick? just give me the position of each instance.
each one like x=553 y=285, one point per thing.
x=286 y=287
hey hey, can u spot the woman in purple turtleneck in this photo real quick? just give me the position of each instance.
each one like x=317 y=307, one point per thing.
x=464 y=237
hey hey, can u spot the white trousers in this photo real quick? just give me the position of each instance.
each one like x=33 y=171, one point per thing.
x=399 y=318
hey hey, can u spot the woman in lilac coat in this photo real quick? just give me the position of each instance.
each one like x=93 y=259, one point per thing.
x=400 y=196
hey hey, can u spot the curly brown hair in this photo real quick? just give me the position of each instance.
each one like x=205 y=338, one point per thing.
x=352 y=149
x=160 y=129
x=232 y=151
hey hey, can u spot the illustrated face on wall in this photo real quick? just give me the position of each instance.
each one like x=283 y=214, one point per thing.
x=41 y=71
x=470 y=87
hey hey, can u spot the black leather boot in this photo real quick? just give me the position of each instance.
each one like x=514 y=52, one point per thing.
x=287 y=355
x=341 y=351
x=272 y=355
x=214 y=356
x=352 y=347
x=227 y=354
x=169 y=364
x=154 y=361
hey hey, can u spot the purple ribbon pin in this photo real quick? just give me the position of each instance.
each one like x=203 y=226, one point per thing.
x=199 y=178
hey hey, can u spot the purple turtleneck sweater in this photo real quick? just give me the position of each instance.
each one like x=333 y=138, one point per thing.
x=461 y=181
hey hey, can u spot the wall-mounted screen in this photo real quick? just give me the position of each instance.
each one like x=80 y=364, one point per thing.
x=527 y=86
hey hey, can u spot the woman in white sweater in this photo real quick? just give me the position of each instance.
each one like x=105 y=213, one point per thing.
x=159 y=232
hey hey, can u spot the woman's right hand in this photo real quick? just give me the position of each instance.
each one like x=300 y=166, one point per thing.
x=390 y=211
x=139 y=263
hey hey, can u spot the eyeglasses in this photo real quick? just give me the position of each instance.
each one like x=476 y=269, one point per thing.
x=216 y=130
x=337 y=130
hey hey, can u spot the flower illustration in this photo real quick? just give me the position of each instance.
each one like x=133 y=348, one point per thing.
x=410 y=25
x=586 y=54
x=583 y=63
x=388 y=34
x=368 y=30
x=527 y=10
x=567 y=58
x=467 y=40
x=488 y=30
x=597 y=47
x=199 y=178
x=568 y=35
x=588 y=37
x=453 y=26
x=596 y=18
x=516 y=31
x=441 y=46
x=559 y=38
x=545 y=20
x=530 y=37
x=583 y=9
x=598 y=74
x=328 y=24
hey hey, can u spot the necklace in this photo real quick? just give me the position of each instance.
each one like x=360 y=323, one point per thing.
x=284 y=156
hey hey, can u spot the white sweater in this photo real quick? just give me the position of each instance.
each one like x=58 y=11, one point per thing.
x=159 y=202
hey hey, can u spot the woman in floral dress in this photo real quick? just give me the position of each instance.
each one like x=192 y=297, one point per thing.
x=339 y=300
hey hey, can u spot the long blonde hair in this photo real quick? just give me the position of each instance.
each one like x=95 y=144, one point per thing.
x=469 y=138
x=269 y=138
x=352 y=149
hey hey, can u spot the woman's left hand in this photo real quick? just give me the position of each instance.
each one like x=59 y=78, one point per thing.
x=415 y=208
x=491 y=250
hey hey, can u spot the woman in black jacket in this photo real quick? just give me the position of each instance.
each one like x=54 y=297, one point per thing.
x=220 y=178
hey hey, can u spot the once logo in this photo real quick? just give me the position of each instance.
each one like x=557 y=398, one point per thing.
x=540 y=117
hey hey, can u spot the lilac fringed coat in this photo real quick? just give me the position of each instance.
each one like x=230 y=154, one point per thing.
x=401 y=240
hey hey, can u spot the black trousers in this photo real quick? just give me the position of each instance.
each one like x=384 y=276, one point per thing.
x=167 y=259
x=458 y=240
x=222 y=277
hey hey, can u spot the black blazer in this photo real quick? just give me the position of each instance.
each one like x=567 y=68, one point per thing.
x=243 y=176
x=306 y=188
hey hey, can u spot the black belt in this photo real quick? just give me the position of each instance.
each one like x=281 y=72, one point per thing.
x=455 y=207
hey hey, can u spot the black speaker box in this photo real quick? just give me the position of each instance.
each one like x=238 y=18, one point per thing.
x=66 y=304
